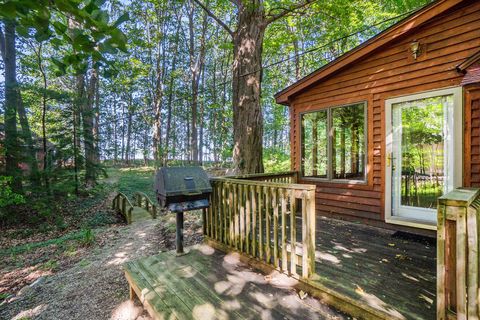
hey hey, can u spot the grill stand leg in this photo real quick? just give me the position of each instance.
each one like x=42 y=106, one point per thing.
x=179 y=235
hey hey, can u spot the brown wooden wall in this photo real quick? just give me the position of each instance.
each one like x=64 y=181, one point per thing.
x=471 y=168
x=446 y=41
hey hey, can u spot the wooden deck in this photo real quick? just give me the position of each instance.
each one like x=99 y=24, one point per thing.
x=208 y=284
x=380 y=268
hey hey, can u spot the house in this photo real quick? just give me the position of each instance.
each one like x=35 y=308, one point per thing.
x=388 y=127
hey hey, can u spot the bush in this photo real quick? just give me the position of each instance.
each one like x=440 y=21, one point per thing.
x=7 y=196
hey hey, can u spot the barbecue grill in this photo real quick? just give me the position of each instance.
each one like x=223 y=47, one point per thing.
x=181 y=189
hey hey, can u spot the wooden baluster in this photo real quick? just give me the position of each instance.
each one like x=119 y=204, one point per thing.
x=214 y=218
x=311 y=227
x=204 y=221
x=217 y=212
x=241 y=207
x=283 y=195
x=275 y=227
x=260 y=222
x=248 y=226
x=224 y=212
x=293 y=233
x=305 y=242
x=253 y=193
x=268 y=206
x=231 y=215
x=206 y=226
x=236 y=219
x=461 y=258
x=210 y=218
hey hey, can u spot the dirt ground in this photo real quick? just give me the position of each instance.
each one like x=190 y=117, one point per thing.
x=95 y=287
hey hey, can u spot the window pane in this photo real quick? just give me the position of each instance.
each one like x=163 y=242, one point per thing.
x=422 y=150
x=348 y=141
x=315 y=144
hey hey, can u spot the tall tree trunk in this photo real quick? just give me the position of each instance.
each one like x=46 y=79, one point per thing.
x=27 y=137
x=26 y=132
x=12 y=154
x=44 y=118
x=75 y=145
x=115 y=135
x=246 y=89
x=96 y=129
x=171 y=88
x=87 y=117
x=129 y=132
x=196 y=66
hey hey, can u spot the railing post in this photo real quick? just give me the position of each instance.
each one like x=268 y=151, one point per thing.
x=457 y=255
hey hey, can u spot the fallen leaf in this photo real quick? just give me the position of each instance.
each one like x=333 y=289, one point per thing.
x=302 y=294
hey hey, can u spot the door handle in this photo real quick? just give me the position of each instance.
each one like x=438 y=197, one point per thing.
x=390 y=159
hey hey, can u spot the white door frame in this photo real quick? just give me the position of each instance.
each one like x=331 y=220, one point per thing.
x=455 y=159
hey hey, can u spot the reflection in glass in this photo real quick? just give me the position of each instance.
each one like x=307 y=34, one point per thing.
x=348 y=154
x=422 y=150
x=315 y=144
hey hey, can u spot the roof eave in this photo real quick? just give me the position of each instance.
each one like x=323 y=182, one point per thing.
x=400 y=28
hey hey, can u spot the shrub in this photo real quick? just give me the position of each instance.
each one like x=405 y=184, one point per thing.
x=7 y=196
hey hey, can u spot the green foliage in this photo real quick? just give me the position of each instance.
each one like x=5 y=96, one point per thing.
x=83 y=25
x=7 y=196
x=77 y=235
x=50 y=265
x=88 y=237
x=276 y=161
x=137 y=179
x=101 y=219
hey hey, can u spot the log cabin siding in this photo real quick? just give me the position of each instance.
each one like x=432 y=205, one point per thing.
x=472 y=137
x=388 y=72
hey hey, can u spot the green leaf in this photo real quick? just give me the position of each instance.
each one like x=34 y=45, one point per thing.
x=42 y=35
x=8 y=10
x=59 y=27
x=124 y=17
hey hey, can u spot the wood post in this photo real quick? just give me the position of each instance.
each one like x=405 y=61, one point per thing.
x=457 y=255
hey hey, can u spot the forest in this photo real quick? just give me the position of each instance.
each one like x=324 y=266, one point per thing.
x=97 y=94
x=89 y=84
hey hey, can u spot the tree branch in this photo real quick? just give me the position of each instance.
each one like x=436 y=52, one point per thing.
x=214 y=17
x=2 y=44
x=286 y=11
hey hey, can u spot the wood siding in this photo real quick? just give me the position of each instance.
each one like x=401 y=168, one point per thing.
x=389 y=72
x=472 y=137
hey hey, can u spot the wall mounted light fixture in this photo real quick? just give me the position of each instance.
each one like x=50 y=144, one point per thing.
x=415 y=49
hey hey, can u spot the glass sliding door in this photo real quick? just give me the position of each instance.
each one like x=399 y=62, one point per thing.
x=421 y=154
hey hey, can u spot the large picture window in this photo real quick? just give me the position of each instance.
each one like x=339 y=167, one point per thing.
x=334 y=143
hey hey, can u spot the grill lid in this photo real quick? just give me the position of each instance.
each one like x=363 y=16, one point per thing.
x=174 y=181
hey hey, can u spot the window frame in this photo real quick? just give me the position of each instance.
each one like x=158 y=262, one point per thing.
x=329 y=177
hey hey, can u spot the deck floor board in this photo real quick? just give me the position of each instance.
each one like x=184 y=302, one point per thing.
x=373 y=265
x=209 y=284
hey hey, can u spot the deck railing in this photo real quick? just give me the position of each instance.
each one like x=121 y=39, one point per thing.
x=259 y=219
x=143 y=201
x=457 y=255
x=281 y=177
x=122 y=204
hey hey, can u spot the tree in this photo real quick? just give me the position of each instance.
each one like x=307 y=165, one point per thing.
x=247 y=38
x=11 y=101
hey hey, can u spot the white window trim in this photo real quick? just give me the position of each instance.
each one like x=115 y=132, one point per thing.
x=455 y=158
x=329 y=177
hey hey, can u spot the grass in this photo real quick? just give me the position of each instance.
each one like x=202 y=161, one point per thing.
x=136 y=179
x=78 y=235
